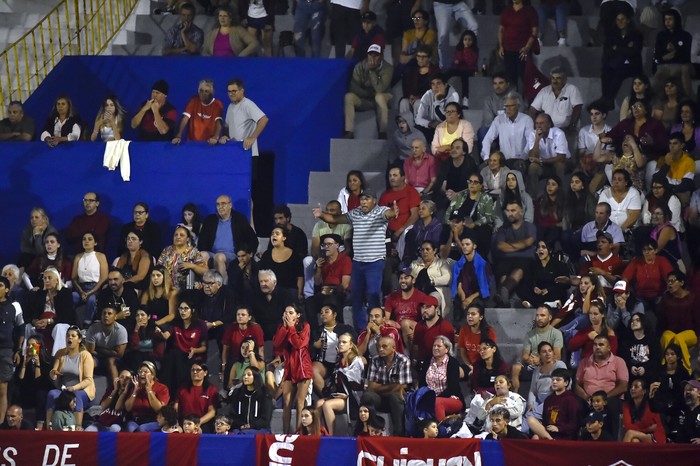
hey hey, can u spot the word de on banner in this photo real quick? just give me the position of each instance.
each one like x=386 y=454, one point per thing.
x=397 y=451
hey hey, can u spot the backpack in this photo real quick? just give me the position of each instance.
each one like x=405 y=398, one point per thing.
x=420 y=404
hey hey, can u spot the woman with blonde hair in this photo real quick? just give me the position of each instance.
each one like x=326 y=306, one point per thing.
x=109 y=122
x=159 y=299
x=33 y=236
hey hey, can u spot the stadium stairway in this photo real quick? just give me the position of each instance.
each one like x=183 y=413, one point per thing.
x=18 y=16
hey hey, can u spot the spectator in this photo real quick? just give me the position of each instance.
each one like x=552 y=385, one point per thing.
x=149 y=230
x=369 y=33
x=198 y=397
x=402 y=140
x=470 y=335
x=344 y=21
x=296 y=239
x=667 y=238
x=309 y=17
x=653 y=139
x=647 y=273
x=203 y=114
x=473 y=279
x=515 y=192
x=349 y=196
x=579 y=210
x=53 y=256
x=17 y=127
x=217 y=306
x=292 y=346
x=679 y=168
x=624 y=200
x=453 y=176
x=156 y=118
x=333 y=268
x=33 y=378
x=621 y=308
x=440 y=373
x=245 y=121
x=517 y=36
x=548 y=151
x=453 y=128
x=184 y=38
x=606 y=266
x=113 y=417
x=248 y=354
x=687 y=125
x=447 y=14
x=593 y=430
x=90 y=270
x=560 y=412
x=215 y=238
x=227 y=39
x=420 y=34
x=641 y=89
x=147 y=397
x=388 y=376
x=495 y=101
x=159 y=299
x=106 y=340
x=222 y=425
x=630 y=159
x=478 y=210
x=416 y=77
x=431 y=326
x=689 y=429
x=285 y=262
x=487 y=369
x=269 y=303
x=561 y=101
x=377 y=328
x=541 y=383
x=48 y=307
x=14 y=420
x=549 y=211
x=91 y=220
x=679 y=319
x=666 y=393
x=559 y=9
x=667 y=107
x=672 y=52
x=622 y=56
x=109 y=122
x=588 y=138
x=364 y=413
x=465 y=62
x=406 y=199
x=500 y=421
x=432 y=109
x=33 y=237
x=250 y=405
x=420 y=168
x=432 y=272
x=310 y=423
x=601 y=223
x=120 y=298
x=145 y=343
x=63 y=417
x=494 y=174
x=641 y=424
x=369 y=88
x=135 y=262
x=63 y=124
x=369 y=223
x=514 y=248
x=325 y=346
x=243 y=274
x=574 y=313
x=260 y=20
x=402 y=307
x=510 y=130
x=641 y=351
x=585 y=339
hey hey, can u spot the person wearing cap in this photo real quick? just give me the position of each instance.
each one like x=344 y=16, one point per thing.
x=689 y=422
x=601 y=222
x=560 y=412
x=606 y=265
x=622 y=306
x=370 y=88
x=402 y=307
x=548 y=152
x=244 y=120
x=407 y=199
x=593 y=430
x=430 y=327
x=203 y=114
x=156 y=118
x=447 y=14
x=369 y=222
x=402 y=139
x=370 y=33
x=199 y=397
x=185 y=37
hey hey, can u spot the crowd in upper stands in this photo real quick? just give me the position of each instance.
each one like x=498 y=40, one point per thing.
x=594 y=227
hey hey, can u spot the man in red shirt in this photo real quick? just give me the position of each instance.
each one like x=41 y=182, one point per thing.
x=377 y=328
x=606 y=265
x=430 y=327
x=407 y=199
x=204 y=115
x=402 y=307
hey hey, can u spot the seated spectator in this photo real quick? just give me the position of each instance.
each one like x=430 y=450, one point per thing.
x=420 y=35
x=678 y=167
x=668 y=240
x=453 y=174
x=291 y=344
x=428 y=328
x=63 y=417
x=440 y=373
x=191 y=425
x=244 y=329
x=601 y=223
x=474 y=330
x=514 y=248
x=652 y=136
x=593 y=430
x=588 y=138
x=624 y=200
x=465 y=62
x=325 y=346
x=377 y=327
x=586 y=338
x=369 y=33
x=432 y=109
x=376 y=426
x=227 y=39
x=112 y=418
x=33 y=378
x=197 y=396
x=250 y=405
x=660 y=193
x=647 y=273
x=433 y=273
x=119 y=297
x=147 y=397
x=679 y=317
x=640 y=350
x=159 y=300
x=90 y=270
x=109 y=122
x=666 y=393
x=478 y=210
x=370 y=87
x=349 y=196
x=574 y=313
x=17 y=127
x=33 y=238
x=296 y=239
x=689 y=429
x=182 y=260
x=541 y=383
x=453 y=127
x=284 y=261
x=548 y=151
x=106 y=340
x=550 y=280
x=500 y=421
x=494 y=102
x=429 y=428
x=248 y=356
x=687 y=125
x=501 y=396
x=203 y=114
x=156 y=118
x=598 y=406
x=472 y=277
x=346 y=388
x=416 y=78
x=145 y=342
x=150 y=230
x=515 y=191
x=402 y=307
x=73 y=369
x=388 y=376
x=641 y=424
x=310 y=424
x=332 y=270
x=672 y=51
x=91 y=220
x=631 y=159
x=135 y=262
x=63 y=124
x=549 y=211
x=52 y=256
x=243 y=274
x=510 y=130
x=420 y=168
x=222 y=425
x=560 y=412
x=402 y=140
x=666 y=109
x=489 y=366
x=640 y=89
x=561 y=101
x=14 y=419
x=541 y=332
x=621 y=308
x=622 y=55
x=217 y=307
x=48 y=307
x=184 y=38
x=364 y=413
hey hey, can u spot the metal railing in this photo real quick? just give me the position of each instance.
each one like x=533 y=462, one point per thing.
x=73 y=27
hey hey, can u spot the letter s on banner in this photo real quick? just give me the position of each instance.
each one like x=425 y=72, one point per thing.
x=275 y=458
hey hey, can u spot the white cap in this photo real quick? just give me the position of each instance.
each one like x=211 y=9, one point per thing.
x=374 y=48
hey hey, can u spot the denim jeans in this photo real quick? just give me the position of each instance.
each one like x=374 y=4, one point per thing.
x=444 y=13
x=366 y=279
x=560 y=13
x=309 y=16
x=90 y=304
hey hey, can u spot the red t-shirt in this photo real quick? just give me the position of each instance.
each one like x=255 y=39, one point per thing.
x=195 y=400
x=406 y=198
x=202 y=124
x=470 y=341
x=332 y=274
x=384 y=331
x=517 y=26
x=142 y=407
x=424 y=337
x=401 y=309
x=234 y=336
x=192 y=337
x=612 y=265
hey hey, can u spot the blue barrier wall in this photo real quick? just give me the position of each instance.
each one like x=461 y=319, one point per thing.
x=302 y=97
x=163 y=175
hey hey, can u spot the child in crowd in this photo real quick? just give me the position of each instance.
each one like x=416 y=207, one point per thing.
x=222 y=425
x=63 y=417
x=599 y=404
x=167 y=420
x=430 y=428
x=310 y=424
x=376 y=426
x=191 y=424
x=465 y=62
x=593 y=432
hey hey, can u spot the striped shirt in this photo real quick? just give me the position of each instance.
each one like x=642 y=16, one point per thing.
x=368 y=233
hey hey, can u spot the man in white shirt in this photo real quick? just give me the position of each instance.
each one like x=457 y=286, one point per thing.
x=561 y=101
x=510 y=129
x=244 y=119
x=548 y=151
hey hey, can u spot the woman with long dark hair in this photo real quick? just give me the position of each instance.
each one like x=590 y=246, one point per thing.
x=687 y=125
x=192 y=220
x=640 y=422
x=282 y=260
x=473 y=331
x=549 y=211
x=641 y=89
x=52 y=256
x=250 y=406
x=349 y=196
x=135 y=262
x=489 y=366
x=109 y=122
x=364 y=413
x=579 y=209
x=145 y=343
x=159 y=299
x=63 y=124
x=197 y=396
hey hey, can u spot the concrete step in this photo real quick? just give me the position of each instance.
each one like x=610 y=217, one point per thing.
x=358 y=154
x=41 y=7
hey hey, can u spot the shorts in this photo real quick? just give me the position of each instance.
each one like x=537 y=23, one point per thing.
x=260 y=23
x=7 y=365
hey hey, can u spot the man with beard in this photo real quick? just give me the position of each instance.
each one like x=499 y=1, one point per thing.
x=204 y=115
x=106 y=340
x=542 y=331
x=156 y=118
x=689 y=428
x=514 y=251
x=431 y=110
x=119 y=298
x=402 y=307
x=369 y=222
x=431 y=325
x=472 y=278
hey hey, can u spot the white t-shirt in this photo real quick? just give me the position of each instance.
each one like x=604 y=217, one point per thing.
x=633 y=201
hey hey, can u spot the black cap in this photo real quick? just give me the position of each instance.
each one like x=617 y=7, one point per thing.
x=369 y=16
x=368 y=192
x=604 y=234
x=161 y=86
x=333 y=236
x=595 y=416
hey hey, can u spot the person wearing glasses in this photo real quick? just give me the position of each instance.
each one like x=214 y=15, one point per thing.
x=416 y=76
x=414 y=38
x=432 y=109
x=244 y=120
x=146 y=398
x=150 y=231
x=90 y=220
x=454 y=127
x=217 y=306
x=199 y=397
x=224 y=232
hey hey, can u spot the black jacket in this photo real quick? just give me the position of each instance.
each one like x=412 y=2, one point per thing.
x=151 y=233
x=250 y=408
x=242 y=232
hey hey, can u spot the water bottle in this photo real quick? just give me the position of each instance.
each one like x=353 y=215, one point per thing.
x=484 y=68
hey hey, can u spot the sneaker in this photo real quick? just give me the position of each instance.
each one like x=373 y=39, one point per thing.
x=562 y=42
x=465 y=103
x=526 y=304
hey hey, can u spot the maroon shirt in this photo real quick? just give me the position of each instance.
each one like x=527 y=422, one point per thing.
x=424 y=337
x=517 y=27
